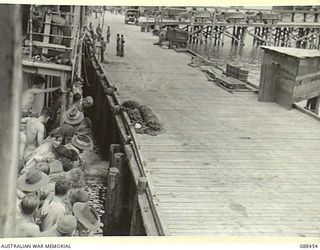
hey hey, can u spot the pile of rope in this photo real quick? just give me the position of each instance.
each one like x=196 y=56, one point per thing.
x=144 y=120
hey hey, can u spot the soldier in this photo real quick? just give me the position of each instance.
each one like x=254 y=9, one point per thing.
x=162 y=36
x=118 y=45
x=90 y=27
x=122 y=46
x=103 y=47
x=108 y=34
x=99 y=31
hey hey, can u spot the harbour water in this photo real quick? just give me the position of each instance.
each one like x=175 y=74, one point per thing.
x=249 y=56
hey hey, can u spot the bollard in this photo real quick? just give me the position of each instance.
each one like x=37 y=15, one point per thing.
x=114 y=148
x=112 y=178
x=119 y=163
x=110 y=91
x=111 y=198
x=116 y=109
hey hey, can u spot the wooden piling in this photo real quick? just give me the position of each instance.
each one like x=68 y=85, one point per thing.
x=255 y=34
x=243 y=35
x=290 y=37
x=261 y=35
x=316 y=110
x=10 y=94
x=283 y=36
x=304 y=17
x=267 y=36
x=212 y=31
x=119 y=163
x=114 y=148
x=238 y=35
x=207 y=33
x=115 y=195
x=111 y=198
x=216 y=35
x=192 y=29
x=135 y=227
x=233 y=35
x=222 y=35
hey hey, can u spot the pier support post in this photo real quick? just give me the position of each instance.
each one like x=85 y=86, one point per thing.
x=233 y=35
x=243 y=35
x=115 y=196
x=316 y=110
x=222 y=34
x=304 y=17
x=192 y=29
x=111 y=197
x=119 y=163
x=212 y=31
x=114 y=148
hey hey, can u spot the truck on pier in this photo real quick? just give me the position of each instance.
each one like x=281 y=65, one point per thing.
x=177 y=13
x=132 y=16
x=268 y=17
x=231 y=16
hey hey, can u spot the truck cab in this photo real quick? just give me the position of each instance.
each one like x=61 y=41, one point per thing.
x=132 y=16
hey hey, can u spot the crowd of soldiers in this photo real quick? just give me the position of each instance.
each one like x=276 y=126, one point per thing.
x=51 y=196
x=100 y=42
x=120 y=45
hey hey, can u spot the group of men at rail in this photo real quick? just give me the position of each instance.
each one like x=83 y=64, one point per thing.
x=51 y=193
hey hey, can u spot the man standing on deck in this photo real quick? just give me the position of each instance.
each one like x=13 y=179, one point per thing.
x=103 y=47
x=29 y=95
x=99 y=32
x=118 y=45
x=122 y=46
x=35 y=132
x=108 y=34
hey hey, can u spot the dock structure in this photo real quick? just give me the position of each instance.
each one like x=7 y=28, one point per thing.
x=289 y=76
x=227 y=164
x=285 y=32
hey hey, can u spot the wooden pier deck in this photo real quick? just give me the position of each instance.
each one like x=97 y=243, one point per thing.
x=227 y=164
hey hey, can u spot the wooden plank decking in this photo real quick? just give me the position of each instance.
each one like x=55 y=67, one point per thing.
x=227 y=164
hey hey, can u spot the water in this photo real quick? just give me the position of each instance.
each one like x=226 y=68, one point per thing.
x=248 y=56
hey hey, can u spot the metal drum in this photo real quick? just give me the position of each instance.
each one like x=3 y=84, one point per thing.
x=243 y=74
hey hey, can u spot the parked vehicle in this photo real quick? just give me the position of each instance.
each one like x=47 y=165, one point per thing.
x=268 y=17
x=231 y=16
x=132 y=16
x=177 y=38
x=175 y=12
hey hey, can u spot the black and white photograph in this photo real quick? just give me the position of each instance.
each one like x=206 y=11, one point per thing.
x=180 y=121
